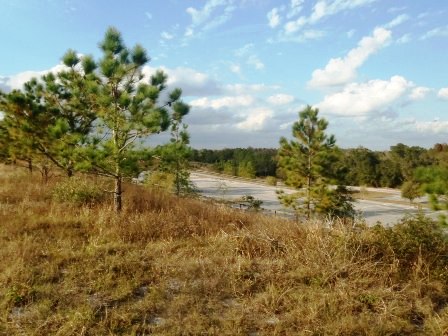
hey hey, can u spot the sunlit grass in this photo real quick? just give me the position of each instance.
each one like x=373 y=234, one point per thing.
x=174 y=266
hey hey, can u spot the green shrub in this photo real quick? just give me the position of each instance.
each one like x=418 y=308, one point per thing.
x=78 y=191
x=416 y=238
x=159 y=179
x=271 y=180
x=246 y=169
x=252 y=202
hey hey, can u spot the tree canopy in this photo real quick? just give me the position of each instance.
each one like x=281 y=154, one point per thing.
x=91 y=115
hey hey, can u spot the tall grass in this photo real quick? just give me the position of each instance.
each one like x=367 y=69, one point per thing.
x=173 y=266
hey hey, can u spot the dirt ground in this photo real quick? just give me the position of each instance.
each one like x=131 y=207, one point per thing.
x=374 y=205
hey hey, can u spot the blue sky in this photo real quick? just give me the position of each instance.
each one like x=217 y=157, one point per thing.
x=376 y=69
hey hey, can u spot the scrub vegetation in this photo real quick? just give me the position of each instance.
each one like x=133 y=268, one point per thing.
x=177 y=266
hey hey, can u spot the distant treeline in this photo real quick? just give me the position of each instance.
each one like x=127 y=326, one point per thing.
x=245 y=162
x=359 y=166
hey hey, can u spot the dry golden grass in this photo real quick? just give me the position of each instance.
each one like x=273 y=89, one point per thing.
x=172 y=266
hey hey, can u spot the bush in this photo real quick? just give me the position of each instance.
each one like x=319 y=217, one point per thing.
x=252 y=202
x=271 y=180
x=160 y=179
x=416 y=238
x=78 y=191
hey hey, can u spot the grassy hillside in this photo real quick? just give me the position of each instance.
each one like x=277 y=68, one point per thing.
x=169 y=266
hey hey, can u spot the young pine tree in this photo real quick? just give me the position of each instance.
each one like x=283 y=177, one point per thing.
x=45 y=123
x=70 y=102
x=21 y=115
x=434 y=182
x=174 y=156
x=302 y=161
x=127 y=109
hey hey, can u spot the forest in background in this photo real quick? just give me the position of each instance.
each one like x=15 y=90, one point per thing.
x=355 y=166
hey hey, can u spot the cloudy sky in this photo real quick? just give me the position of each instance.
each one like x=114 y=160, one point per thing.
x=376 y=69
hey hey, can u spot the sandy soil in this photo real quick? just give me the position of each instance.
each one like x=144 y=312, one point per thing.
x=228 y=188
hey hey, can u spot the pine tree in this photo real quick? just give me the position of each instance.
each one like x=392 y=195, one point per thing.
x=20 y=134
x=434 y=182
x=174 y=156
x=70 y=101
x=44 y=122
x=303 y=161
x=127 y=109
x=246 y=169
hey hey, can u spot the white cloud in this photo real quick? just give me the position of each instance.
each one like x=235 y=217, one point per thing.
x=340 y=71
x=397 y=21
x=235 y=112
x=365 y=99
x=321 y=9
x=436 y=32
x=148 y=15
x=241 y=89
x=241 y=110
x=244 y=50
x=16 y=81
x=382 y=132
x=406 y=38
x=256 y=120
x=443 y=93
x=423 y=15
x=295 y=8
x=418 y=93
x=280 y=99
x=396 y=9
x=235 y=68
x=351 y=33
x=433 y=127
x=324 y=8
x=192 y=82
x=166 y=36
x=293 y=26
x=311 y=34
x=303 y=36
x=252 y=59
x=200 y=16
x=273 y=18
x=220 y=19
x=206 y=17
x=189 y=32
x=223 y=102
x=255 y=62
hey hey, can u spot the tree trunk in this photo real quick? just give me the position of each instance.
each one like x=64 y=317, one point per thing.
x=117 y=194
x=177 y=179
x=308 y=190
x=118 y=177
x=70 y=169
x=30 y=166
x=45 y=171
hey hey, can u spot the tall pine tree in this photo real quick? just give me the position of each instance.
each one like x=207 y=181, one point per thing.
x=127 y=109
